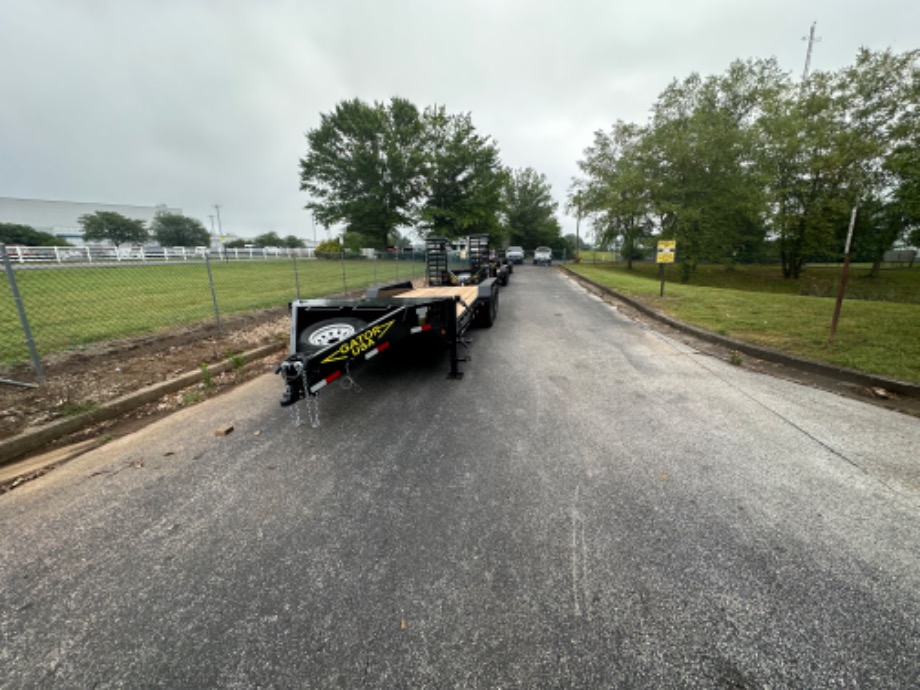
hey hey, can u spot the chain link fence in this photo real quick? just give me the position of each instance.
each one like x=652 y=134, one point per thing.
x=49 y=305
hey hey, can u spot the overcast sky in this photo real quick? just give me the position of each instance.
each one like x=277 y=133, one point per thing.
x=192 y=103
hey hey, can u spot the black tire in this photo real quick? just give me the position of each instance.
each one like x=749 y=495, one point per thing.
x=320 y=335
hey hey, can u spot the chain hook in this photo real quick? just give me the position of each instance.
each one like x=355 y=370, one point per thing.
x=348 y=383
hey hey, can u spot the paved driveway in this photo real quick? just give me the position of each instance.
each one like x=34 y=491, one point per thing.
x=593 y=505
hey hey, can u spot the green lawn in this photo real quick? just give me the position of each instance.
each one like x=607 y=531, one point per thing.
x=892 y=285
x=74 y=306
x=878 y=333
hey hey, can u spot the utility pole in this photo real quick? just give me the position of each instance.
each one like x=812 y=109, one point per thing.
x=811 y=41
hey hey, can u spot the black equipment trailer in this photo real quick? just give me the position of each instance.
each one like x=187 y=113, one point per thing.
x=331 y=336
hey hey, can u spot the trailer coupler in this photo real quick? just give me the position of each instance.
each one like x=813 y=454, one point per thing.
x=292 y=370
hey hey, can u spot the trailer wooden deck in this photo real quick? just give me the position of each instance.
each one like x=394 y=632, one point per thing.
x=467 y=294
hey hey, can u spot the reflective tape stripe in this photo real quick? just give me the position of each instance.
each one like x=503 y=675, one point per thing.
x=326 y=381
x=377 y=350
x=420 y=329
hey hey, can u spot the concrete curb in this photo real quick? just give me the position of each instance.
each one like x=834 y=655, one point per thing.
x=33 y=439
x=903 y=388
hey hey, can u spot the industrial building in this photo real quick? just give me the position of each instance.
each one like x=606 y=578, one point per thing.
x=62 y=218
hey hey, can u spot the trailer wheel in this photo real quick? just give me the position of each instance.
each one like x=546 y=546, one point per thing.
x=320 y=335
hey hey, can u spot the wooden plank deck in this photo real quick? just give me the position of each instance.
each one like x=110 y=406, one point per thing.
x=467 y=293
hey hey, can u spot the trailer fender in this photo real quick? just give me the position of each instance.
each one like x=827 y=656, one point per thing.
x=488 y=299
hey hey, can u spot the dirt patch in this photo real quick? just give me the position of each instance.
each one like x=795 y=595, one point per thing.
x=77 y=381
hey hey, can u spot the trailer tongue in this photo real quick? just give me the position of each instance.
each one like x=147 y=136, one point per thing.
x=330 y=337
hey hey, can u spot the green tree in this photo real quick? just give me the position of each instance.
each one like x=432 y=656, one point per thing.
x=268 y=239
x=399 y=240
x=701 y=157
x=14 y=233
x=881 y=93
x=353 y=241
x=913 y=237
x=529 y=210
x=878 y=227
x=293 y=242
x=364 y=167
x=464 y=178
x=176 y=230
x=114 y=227
x=800 y=155
x=838 y=140
x=572 y=243
x=329 y=249
x=615 y=190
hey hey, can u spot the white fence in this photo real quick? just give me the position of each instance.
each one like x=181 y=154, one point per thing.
x=103 y=253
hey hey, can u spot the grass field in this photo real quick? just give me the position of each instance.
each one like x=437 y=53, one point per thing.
x=878 y=332
x=74 y=306
x=892 y=285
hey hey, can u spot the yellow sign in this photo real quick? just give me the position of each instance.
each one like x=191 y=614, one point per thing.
x=666 y=251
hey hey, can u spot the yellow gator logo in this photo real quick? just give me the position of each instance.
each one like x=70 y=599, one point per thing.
x=360 y=344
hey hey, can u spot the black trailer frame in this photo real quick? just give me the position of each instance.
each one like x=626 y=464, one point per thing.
x=329 y=337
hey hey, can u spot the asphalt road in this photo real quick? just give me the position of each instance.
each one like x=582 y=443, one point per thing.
x=593 y=505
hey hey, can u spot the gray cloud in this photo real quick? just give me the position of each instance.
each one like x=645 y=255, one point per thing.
x=200 y=102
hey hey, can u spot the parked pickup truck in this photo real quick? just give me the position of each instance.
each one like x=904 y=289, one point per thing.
x=543 y=255
x=515 y=255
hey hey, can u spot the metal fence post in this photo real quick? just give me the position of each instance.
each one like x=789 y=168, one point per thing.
x=30 y=341
x=207 y=262
x=296 y=276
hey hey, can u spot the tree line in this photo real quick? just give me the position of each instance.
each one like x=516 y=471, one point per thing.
x=380 y=168
x=166 y=229
x=750 y=165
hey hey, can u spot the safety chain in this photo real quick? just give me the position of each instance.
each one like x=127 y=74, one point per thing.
x=311 y=402
x=348 y=383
